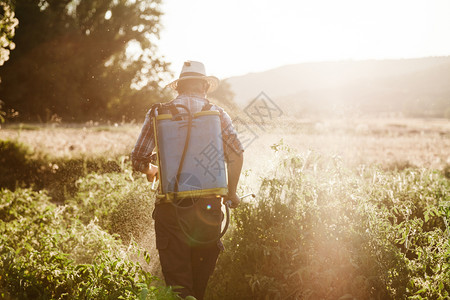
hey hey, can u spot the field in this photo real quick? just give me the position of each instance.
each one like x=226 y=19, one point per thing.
x=388 y=143
x=346 y=209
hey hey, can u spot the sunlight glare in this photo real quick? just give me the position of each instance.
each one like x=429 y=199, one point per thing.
x=133 y=50
x=108 y=15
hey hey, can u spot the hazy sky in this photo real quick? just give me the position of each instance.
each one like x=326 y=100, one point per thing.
x=235 y=37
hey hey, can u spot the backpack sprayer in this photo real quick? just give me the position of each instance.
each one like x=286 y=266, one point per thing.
x=200 y=137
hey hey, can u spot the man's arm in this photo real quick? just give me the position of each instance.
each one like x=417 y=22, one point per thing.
x=234 y=167
x=234 y=156
x=141 y=155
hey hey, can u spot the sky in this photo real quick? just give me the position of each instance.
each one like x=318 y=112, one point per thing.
x=236 y=37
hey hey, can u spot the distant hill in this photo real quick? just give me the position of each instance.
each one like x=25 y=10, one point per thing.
x=411 y=87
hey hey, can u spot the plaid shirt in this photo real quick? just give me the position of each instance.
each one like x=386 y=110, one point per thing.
x=141 y=155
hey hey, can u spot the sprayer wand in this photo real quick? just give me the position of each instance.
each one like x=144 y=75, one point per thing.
x=228 y=203
x=227 y=211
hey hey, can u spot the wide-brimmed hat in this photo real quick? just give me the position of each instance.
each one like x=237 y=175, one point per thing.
x=195 y=70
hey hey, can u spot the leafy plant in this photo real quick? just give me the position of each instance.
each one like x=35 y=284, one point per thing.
x=320 y=231
x=47 y=254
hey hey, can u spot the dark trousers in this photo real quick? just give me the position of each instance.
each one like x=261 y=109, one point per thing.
x=187 y=242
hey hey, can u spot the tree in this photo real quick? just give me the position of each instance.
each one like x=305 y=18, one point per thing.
x=224 y=96
x=73 y=60
x=8 y=24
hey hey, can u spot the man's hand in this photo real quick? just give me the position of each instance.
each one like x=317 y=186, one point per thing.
x=151 y=172
x=235 y=200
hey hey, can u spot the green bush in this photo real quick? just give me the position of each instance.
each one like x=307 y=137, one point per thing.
x=45 y=253
x=319 y=231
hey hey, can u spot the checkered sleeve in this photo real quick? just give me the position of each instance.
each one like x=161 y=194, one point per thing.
x=230 y=137
x=141 y=155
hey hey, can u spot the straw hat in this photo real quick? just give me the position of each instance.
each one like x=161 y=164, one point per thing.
x=195 y=70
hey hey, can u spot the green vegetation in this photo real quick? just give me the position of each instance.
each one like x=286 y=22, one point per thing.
x=47 y=252
x=121 y=203
x=330 y=233
x=317 y=230
x=19 y=166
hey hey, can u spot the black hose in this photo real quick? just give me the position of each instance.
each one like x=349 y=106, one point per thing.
x=227 y=220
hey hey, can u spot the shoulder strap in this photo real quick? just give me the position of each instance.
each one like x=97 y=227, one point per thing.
x=153 y=109
x=164 y=108
x=207 y=106
x=173 y=109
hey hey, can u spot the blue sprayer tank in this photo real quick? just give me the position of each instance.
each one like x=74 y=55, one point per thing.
x=203 y=172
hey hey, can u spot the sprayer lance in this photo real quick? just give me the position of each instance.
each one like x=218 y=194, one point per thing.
x=248 y=195
x=228 y=203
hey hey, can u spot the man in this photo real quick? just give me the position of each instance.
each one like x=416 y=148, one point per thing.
x=186 y=233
